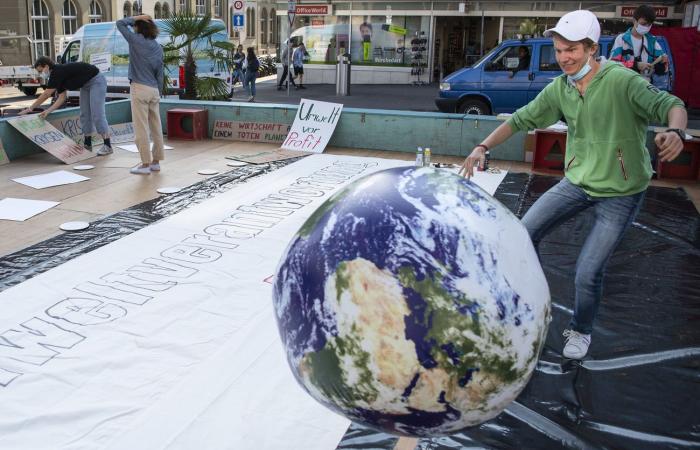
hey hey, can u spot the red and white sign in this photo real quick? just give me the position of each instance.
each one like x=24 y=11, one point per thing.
x=238 y=6
x=628 y=11
x=313 y=10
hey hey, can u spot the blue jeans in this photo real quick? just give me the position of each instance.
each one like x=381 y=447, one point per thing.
x=92 y=106
x=249 y=83
x=612 y=217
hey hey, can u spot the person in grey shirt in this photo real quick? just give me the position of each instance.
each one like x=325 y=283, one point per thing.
x=146 y=84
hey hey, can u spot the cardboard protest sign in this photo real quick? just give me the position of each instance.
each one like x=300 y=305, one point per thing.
x=71 y=127
x=3 y=156
x=313 y=126
x=267 y=156
x=50 y=139
x=250 y=131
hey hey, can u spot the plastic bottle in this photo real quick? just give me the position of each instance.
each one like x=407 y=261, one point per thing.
x=419 y=157
x=426 y=157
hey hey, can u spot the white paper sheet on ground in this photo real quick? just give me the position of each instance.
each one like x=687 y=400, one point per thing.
x=166 y=338
x=51 y=179
x=134 y=149
x=19 y=209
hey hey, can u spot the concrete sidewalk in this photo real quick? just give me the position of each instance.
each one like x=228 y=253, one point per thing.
x=369 y=96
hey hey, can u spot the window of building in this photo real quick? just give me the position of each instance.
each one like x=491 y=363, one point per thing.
x=200 y=7
x=127 y=9
x=182 y=6
x=250 y=23
x=138 y=7
x=217 y=8
x=157 y=13
x=323 y=36
x=378 y=42
x=273 y=26
x=40 y=26
x=69 y=16
x=263 y=26
x=95 y=15
x=166 y=11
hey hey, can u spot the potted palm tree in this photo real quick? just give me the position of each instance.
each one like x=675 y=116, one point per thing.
x=187 y=33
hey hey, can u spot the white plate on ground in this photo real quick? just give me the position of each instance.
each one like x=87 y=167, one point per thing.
x=236 y=164
x=74 y=226
x=169 y=190
x=207 y=171
x=83 y=167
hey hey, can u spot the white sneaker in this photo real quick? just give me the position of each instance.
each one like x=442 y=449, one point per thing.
x=138 y=170
x=104 y=151
x=576 y=345
x=251 y=99
x=155 y=167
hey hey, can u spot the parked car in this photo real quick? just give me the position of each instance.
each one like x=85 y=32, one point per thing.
x=494 y=85
x=103 y=45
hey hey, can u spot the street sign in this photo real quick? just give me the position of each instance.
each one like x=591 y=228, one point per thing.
x=291 y=12
x=238 y=6
x=238 y=21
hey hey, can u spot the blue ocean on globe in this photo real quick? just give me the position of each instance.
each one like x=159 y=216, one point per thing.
x=412 y=302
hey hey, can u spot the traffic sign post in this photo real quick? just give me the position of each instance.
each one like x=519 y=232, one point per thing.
x=291 y=12
x=238 y=17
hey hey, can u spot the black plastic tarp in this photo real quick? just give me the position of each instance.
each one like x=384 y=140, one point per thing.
x=639 y=387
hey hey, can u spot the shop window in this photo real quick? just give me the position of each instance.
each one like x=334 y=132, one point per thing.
x=323 y=36
x=380 y=41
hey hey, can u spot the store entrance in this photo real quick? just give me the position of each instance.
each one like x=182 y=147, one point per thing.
x=458 y=42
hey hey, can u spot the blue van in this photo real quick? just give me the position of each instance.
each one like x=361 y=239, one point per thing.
x=500 y=83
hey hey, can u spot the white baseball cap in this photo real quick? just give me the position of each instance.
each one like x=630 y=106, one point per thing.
x=577 y=26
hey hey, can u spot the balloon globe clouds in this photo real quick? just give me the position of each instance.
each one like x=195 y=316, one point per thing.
x=412 y=302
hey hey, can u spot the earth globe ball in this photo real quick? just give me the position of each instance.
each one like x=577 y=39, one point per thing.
x=412 y=302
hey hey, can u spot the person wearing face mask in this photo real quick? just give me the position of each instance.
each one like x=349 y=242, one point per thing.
x=93 y=91
x=638 y=49
x=608 y=109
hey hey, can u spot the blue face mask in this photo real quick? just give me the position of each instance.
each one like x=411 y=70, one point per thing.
x=581 y=73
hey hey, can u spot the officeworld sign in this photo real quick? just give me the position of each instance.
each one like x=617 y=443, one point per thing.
x=313 y=10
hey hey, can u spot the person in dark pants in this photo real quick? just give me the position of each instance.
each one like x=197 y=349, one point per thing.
x=251 y=73
x=93 y=91
x=285 y=59
x=298 y=63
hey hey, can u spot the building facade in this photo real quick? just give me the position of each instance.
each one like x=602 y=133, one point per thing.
x=391 y=40
x=45 y=25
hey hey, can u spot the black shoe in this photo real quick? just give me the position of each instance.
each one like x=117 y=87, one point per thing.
x=279 y=88
x=302 y=87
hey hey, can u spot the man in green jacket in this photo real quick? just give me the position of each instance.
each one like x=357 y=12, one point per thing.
x=608 y=109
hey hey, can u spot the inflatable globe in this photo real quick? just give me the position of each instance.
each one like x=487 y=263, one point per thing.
x=412 y=302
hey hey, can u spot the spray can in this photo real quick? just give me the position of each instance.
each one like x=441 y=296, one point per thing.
x=419 y=157
x=426 y=157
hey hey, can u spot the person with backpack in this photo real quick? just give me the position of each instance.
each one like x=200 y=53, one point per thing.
x=251 y=65
x=238 y=58
x=638 y=49
x=285 y=59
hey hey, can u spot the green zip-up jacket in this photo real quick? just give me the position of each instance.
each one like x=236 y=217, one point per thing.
x=606 y=153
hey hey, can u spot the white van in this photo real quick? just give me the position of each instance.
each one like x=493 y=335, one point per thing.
x=102 y=45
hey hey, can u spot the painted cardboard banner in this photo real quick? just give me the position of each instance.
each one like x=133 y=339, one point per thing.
x=313 y=126
x=267 y=156
x=43 y=134
x=71 y=127
x=3 y=156
x=250 y=131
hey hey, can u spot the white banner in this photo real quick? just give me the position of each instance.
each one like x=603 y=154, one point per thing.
x=166 y=337
x=313 y=126
x=50 y=139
